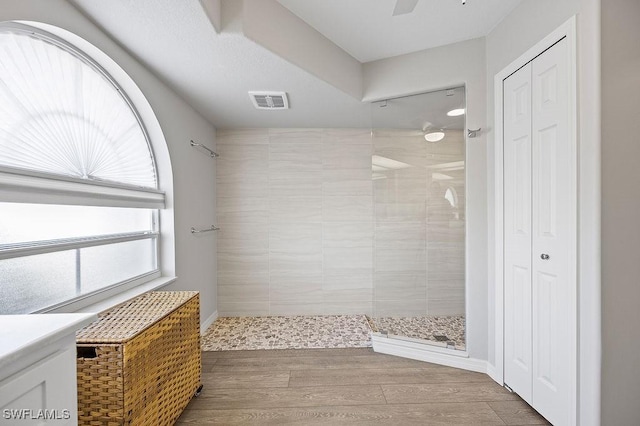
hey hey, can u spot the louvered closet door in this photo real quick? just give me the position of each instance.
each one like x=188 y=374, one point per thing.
x=539 y=230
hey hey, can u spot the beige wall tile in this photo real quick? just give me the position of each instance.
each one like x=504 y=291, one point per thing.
x=241 y=309
x=348 y=308
x=400 y=235
x=347 y=279
x=307 y=230
x=295 y=136
x=348 y=136
x=400 y=212
x=299 y=286
x=245 y=260
x=243 y=278
x=400 y=261
x=347 y=234
x=242 y=137
x=445 y=231
x=292 y=262
x=295 y=183
x=295 y=238
x=347 y=182
x=296 y=308
x=446 y=296
x=395 y=286
x=248 y=293
x=341 y=258
x=242 y=210
x=344 y=155
x=256 y=187
x=400 y=308
x=247 y=235
x=295 y=157
x=446 y=307
x=347 y=295
x=295 y=209
x=235 y=245
x=347 y=208
x=446 y=260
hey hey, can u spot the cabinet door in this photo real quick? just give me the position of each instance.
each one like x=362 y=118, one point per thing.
x=554 y=227
x=44 y=393
x=517 y=233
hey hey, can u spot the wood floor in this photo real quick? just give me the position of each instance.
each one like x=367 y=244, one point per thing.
x=346 y=386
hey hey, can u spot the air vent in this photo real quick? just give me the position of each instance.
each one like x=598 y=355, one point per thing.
x=269 y=100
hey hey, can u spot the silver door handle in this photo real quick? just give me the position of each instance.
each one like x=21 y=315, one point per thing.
x=544 y=256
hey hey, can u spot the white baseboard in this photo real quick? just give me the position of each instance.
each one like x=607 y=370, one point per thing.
x=206 y=323
x=424 y=352
x=493 y=373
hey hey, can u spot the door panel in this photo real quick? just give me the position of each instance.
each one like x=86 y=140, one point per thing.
x=517 y=232
x=546 y=174
x=540 y=235
x=553 y=233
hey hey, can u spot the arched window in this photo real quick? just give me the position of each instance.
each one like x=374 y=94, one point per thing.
x=79 y=194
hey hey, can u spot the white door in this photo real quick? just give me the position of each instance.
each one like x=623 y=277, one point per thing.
x=540 y=292
x=517 y=233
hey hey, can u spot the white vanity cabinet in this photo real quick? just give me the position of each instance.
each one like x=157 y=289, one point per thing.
x=38 y=368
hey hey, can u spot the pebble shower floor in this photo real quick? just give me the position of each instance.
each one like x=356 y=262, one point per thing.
x=324 y=331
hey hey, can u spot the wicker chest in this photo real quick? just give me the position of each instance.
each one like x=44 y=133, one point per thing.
x=140 y=362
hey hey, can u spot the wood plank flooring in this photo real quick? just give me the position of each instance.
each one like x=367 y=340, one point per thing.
x=346 y=386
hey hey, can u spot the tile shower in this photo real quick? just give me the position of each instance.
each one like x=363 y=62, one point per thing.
x=343 y=221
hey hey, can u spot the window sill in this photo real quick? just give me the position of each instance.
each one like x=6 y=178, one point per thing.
x=112 y=301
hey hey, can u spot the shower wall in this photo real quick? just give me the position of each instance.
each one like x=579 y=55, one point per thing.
x=305 y=230
x=295 y=208
x=419 y=228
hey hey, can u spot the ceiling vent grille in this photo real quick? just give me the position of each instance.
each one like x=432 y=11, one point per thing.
x=269 y=100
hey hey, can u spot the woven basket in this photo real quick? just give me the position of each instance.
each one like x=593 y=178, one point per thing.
x=140 y=362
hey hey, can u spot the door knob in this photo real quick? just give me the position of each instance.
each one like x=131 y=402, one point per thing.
x=544 y=256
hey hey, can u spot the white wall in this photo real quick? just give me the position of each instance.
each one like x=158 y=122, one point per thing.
x=300 y=44
x=444 y=67
x=530 y=22
x=193 y=199
x=620 y=207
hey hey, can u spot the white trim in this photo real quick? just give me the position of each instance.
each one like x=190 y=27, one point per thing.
x=568 y=30
x=423 y=352
x=35 y=188
x=10 y=251
x=590 y=326
x=494 y=374
x=90 y=61
x=159 y=147
x=111 y=299
x=207 y=323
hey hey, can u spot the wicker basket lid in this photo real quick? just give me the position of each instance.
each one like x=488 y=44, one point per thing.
x=127 y=320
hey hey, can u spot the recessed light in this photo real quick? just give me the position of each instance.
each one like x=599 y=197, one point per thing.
x=456 y=112
x=434 y=136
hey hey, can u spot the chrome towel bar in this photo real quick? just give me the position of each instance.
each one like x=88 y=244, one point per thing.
x=212 y=154
x=200 y=231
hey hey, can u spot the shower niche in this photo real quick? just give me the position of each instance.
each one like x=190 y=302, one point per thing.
x=418 y=173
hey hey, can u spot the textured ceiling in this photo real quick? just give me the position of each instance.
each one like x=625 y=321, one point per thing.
x=214 y=71
x=367 y=30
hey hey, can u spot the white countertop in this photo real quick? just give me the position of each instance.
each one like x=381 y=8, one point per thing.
x=21 y=335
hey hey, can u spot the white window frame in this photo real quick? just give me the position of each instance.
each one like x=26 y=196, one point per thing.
x=24 y=186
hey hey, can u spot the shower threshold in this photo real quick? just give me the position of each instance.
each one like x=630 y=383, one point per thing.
x=439 y=331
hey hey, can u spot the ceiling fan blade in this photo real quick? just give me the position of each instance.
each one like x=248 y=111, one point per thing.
x=404 y=6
